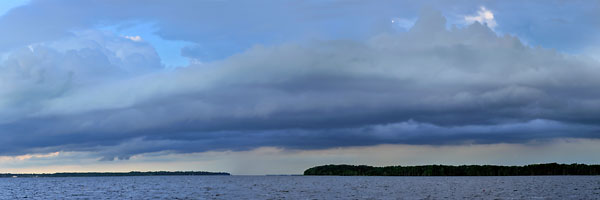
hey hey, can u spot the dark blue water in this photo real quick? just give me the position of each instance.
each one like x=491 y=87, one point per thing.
x=302 y=187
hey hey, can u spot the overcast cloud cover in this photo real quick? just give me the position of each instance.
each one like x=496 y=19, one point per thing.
x=294 y=75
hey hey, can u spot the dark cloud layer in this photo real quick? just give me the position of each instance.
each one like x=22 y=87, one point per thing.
x=102 y=93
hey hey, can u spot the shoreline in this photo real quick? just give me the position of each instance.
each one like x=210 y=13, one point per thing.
x=106 y=174
x=548 y=169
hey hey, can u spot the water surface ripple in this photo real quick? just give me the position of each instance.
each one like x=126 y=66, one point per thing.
x=302 y=187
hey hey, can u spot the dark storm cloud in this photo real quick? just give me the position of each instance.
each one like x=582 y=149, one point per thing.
x=106 y=94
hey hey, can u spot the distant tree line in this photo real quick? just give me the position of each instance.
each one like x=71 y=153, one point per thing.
x=448 y=170
x=133 y=173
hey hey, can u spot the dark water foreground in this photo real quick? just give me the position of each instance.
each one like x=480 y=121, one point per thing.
x=302 y=187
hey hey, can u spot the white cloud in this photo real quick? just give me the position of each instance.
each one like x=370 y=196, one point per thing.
x=36 y=73
x=403 y=23
x=136 y=38
x=484 y=16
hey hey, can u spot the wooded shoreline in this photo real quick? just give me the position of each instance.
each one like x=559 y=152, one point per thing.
x=450 y=170
x=97 y=174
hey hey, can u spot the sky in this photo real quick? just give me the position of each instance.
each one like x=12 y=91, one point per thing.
x=276 y=87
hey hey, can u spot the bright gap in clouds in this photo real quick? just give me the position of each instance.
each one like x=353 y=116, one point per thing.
x=168 y=50
x=273 y=160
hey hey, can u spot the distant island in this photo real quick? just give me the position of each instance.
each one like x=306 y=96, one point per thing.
x=449 y=170
x=133 y=173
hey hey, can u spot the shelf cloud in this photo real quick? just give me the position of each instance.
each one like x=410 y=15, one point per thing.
x=99 y=92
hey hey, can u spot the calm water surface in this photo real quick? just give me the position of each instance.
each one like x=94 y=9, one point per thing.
x=301 y=187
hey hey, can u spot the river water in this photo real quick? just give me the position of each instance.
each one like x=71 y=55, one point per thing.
x=302 y=187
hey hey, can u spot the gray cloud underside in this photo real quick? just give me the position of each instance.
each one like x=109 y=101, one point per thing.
x=426 y=86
